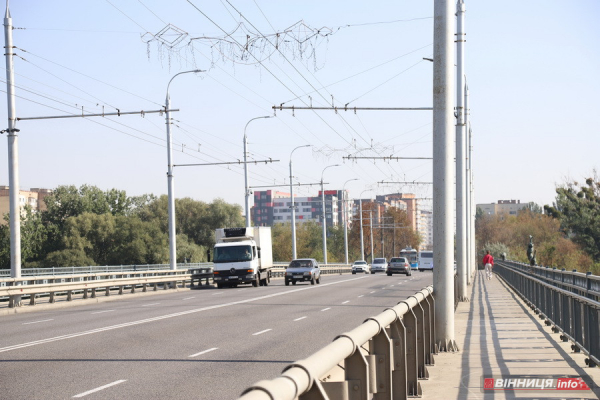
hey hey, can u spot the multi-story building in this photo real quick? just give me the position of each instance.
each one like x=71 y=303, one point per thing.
x=425 y=229
x=510 y=207
x=34 y=198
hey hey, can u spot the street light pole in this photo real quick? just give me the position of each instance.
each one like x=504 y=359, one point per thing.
x=324 y=218
x=344 y=218
x=247 y=190
x=172 y=243
x=362 y=242
x=294 y=255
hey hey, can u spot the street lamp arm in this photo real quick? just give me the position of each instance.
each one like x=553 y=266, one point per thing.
x=179 y=73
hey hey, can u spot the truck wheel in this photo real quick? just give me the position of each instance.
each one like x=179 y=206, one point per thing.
x=293 y=282
x=353 y=273
x=287 y=283
x=256 y=282
x=312 y=281
x=389 y=274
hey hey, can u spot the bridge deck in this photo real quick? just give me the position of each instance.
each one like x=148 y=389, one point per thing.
x=498 y=335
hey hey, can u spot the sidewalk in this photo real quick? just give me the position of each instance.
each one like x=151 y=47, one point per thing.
x=498 y=335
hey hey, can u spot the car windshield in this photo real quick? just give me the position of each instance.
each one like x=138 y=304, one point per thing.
x=360 y=262
x=398 y=259
x=300 y=264
x=379 y=261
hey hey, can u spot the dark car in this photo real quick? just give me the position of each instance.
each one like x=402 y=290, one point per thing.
x=398 y=265
x=303 y=269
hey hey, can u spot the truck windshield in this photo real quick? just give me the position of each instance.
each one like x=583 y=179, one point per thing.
x=233 y=254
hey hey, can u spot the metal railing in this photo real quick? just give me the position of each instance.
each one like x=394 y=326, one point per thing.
x=67 y=285
x=383 y=358
x=583 y=284
x=99 y=269
x=575 y=316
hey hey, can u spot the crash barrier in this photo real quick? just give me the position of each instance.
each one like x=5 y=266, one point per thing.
x=88 y=284
x=583 y=284
x=101 y=268
x=576 y=317
x=385 y=357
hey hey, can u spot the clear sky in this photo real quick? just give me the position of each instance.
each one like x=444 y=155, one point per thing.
x=532 y=69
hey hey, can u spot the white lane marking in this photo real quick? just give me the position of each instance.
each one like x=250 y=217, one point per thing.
x=167 y=316
x=298 y=319
x=204 y=352
x=217 y=293
x=361 y=295
x=372 y=292
x=188 y=298
x=99 y=388
x=261 y=332
x=325 y=309
x=151 y=304
x=37 y=322
x=347 y=301
x=100 y=312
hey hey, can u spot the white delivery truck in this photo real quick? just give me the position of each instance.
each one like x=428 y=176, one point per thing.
x=243 y=255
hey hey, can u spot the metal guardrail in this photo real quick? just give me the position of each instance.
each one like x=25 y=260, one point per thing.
x=583 y=284
x=575 y=316
x=88 y=283
x=101 y=268
x=383 y=358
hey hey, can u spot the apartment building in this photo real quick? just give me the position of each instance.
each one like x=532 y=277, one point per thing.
x=33 y=197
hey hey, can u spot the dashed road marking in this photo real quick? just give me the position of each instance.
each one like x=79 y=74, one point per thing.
x=37 y=322
x=99 y=388
x=151 y=304
x=101 y=312
x=188 y=298
x=361 y=295
x=325 y=309
x=204 y=352
x=298 y=319
x=347 y=301
x=261 y=332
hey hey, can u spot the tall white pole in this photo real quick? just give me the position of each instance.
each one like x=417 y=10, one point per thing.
x=461 y=203
x=324 y=217
x=443 y=177
x=371 y=227
x=293 y=207
x=345 y=219
x=246 y=188
x=13 y=159
x=362 y=242
x=171 y=200
x=471 y=262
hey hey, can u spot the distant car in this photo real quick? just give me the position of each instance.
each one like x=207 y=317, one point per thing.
x=360 y=266
x=301 y=270
x=426 y=261
x=398 y=265
x=379 y=265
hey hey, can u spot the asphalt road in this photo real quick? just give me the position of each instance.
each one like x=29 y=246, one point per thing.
x=206 y=344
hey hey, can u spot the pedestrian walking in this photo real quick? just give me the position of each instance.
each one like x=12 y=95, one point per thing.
x=488 y=261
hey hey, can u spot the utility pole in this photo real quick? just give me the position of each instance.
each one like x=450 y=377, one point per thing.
x=293 y=207
x=13 y=159
x=246 y=189
x=461 y=189
x=443 y=177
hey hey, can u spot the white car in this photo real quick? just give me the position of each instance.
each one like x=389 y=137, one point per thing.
x=360 y=266
x=379 y=265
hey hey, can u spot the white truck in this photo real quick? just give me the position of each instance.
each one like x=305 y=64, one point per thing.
x=243 y=255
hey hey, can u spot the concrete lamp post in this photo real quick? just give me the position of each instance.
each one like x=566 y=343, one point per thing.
x=344 y=216
x=172 y=243
x=293 y=207
x=325 y=219
x=246 y=189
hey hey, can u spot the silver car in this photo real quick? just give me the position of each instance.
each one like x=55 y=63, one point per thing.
x=379 y=265
x=301 y=270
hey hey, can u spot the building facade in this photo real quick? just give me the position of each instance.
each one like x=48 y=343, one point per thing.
x=33 y=197
x=510 y=207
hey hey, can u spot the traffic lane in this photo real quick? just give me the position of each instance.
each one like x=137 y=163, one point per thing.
x=19 y=328
x=112 y=357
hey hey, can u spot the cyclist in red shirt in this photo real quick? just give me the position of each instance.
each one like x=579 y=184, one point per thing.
x=488 y=261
